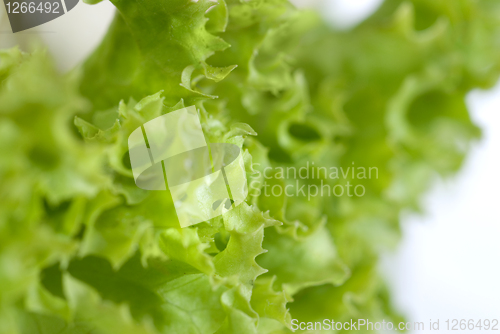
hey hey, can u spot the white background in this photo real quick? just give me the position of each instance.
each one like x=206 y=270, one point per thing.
x=448 y=263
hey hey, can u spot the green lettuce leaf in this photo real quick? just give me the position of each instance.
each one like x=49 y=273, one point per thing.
x=84 y=250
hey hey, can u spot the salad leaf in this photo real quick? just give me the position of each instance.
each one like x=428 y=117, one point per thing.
x=83 y=250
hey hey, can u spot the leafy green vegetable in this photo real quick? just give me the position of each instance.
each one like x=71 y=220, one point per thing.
x=83 y=250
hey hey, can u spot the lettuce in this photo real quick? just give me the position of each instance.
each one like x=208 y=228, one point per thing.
x=83 y=250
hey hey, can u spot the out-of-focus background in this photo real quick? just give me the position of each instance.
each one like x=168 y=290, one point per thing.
x=447 y=265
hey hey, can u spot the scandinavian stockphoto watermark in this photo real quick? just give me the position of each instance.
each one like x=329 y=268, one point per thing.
x=357 y=325
x=310 y=181
x=365 y=325
x=170 y=153
x=28 y=14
